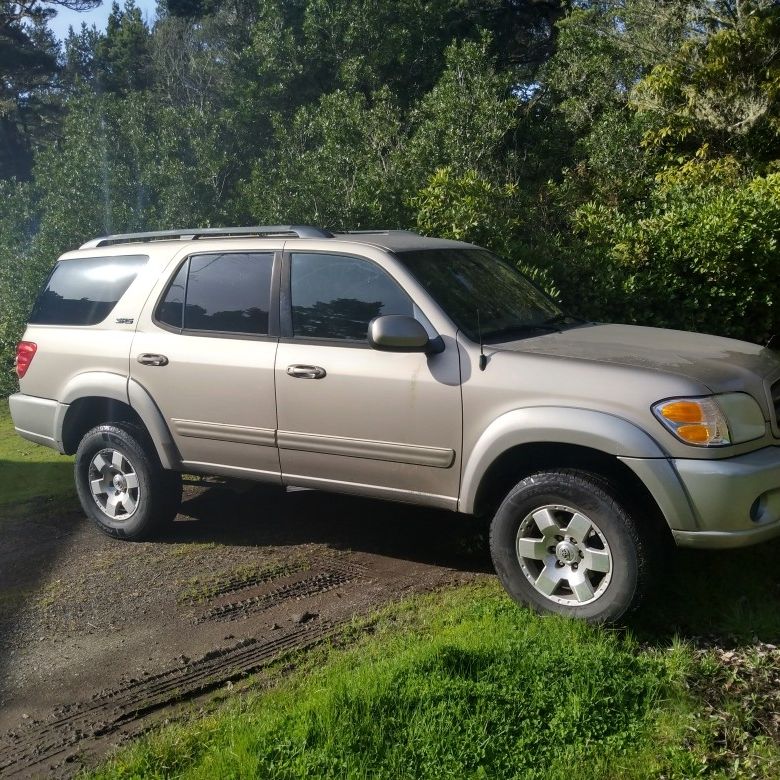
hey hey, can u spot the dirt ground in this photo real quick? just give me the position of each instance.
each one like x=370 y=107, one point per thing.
x=101 y=638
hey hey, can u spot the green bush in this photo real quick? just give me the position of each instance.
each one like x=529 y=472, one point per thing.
x=702 y=255
x=469 y=207
x=20 y=275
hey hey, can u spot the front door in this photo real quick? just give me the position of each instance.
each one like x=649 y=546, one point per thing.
x=351 y=418
x=204 y=353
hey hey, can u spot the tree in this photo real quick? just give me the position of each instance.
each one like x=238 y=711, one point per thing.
x=19 y=277
x=336 y=164
x=605 y=49
x=464 y=121
x=720 y=90
x=28 y=66
x=78 y=71
x=123 y=60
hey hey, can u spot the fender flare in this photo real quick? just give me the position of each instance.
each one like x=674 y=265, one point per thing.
x=601 y=431
x=102 y=384
x=153 y=419
x=98 y=383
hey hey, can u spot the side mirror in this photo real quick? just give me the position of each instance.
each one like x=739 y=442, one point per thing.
x=399 y=333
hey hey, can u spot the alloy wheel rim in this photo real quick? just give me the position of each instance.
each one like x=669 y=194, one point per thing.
x=113 y=482
x=564 y=555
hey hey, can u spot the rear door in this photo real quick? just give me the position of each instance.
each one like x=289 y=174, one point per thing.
x=205 y=350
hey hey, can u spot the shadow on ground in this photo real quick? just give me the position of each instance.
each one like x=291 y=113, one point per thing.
x=23 y=481
x=724 y=597
x=33 y=535
x=730 y=597
x=266 y=516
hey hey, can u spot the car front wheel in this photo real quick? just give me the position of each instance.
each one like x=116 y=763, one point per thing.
x=561 y=542
x=121 y=484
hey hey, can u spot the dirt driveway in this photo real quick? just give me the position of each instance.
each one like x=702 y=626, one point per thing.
x=99 y=638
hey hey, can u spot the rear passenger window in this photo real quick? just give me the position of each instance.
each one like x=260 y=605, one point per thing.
x=223 y=293
x=84 y=291
x=336 y=296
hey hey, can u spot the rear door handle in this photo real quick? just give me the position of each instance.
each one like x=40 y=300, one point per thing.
x=306 y=372
x=153 y=360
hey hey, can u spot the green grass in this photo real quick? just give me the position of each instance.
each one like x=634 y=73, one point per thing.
x=464 y=684
x=29 y=471
x=729 y=595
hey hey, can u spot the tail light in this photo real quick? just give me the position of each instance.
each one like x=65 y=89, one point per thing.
x=25 y=352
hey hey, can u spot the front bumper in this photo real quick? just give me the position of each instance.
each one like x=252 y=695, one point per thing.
x=37 y=419
x=735 y=501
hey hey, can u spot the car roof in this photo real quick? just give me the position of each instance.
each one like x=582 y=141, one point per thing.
x=399 y=240
x=292 y=235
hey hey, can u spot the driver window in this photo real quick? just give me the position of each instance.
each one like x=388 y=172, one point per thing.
x=336 y=296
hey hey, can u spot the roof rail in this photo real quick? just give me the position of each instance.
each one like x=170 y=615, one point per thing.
x=300 y=231
x=377 y=232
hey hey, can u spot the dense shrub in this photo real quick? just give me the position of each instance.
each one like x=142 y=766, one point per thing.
x=469 y=207
x=20 y=276
x=703 y=255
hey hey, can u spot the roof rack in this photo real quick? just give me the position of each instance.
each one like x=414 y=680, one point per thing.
x=376 y=232
x=300 y=231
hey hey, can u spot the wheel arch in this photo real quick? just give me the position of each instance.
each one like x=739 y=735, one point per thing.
x=528 y=440
x=84 y=413
x=97 y=398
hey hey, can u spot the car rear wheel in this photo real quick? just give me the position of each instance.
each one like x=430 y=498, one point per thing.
x=562 y=542
x=121 y=484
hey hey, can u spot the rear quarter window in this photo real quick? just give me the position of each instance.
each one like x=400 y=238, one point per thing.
x=84 y=291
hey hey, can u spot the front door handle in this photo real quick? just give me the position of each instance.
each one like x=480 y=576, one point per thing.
x=153 y=360
x=306 y=372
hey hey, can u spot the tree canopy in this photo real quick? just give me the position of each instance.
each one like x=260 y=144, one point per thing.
x=625 y=153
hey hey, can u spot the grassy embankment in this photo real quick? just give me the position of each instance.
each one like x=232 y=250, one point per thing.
x=29 y=471
x=465 y=684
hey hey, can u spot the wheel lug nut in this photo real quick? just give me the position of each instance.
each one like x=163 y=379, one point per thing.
x=551 y=549
x=558 y=564
x=558 y=538
x=575 y=566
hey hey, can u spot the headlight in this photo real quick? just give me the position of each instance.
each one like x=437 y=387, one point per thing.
x=731 y=418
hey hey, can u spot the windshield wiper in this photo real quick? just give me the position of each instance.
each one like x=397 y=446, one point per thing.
x=519 y=330
x=561 y=319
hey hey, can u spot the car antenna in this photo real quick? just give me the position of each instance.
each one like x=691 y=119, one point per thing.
x=482 y=355
x=771 y=339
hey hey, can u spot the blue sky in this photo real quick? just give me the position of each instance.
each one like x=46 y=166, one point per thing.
x=98 y=17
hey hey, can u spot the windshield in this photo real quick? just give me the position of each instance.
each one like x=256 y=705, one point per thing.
x=478 y=290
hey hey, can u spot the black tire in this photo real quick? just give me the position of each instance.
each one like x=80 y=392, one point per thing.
x=142 y=494
x=614 y=540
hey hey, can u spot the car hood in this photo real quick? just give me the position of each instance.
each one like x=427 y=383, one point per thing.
x=723 y=365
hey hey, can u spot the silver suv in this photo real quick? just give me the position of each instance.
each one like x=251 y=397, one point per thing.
x=414 y=369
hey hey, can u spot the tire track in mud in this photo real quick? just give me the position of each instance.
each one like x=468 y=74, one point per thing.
x=310 y=586
x=48 y=747
x=45 y=747
x=234 y=584
x=332 y=574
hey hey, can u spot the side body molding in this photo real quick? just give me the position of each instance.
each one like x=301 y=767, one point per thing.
x=587 y=428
